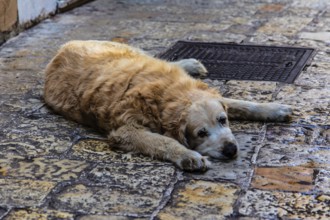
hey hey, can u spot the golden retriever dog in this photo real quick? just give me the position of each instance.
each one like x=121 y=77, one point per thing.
x=148 y=105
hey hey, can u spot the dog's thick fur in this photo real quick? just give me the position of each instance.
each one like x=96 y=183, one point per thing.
x=147 y=104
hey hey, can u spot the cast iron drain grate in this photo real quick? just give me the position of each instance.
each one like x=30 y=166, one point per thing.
x=243 y=62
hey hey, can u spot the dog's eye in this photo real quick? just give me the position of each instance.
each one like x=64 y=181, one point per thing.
x=222 y=120
x=202 y=133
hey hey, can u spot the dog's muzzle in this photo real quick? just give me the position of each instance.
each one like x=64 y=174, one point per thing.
x=230 y=150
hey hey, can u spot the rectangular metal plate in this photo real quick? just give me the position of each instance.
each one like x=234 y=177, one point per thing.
x=243 y=62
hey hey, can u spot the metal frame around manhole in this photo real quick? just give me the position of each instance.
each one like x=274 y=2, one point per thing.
x=243 y=62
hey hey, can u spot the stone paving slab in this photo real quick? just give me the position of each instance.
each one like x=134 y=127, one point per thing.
x=52 y=168
x=204 y=200
x=18 y=193
x=41 y=168
x=238 y=171
x=105 y=200
x=98 y=150
x=107 y=217
x=274 y=205
x=296 y=179
x=39 y=214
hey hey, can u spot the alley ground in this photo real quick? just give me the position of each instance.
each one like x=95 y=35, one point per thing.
x=52 y=168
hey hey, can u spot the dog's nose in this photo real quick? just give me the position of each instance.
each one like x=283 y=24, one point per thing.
x=229 y=149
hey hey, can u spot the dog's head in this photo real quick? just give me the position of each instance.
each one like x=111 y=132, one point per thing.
x=207 y=130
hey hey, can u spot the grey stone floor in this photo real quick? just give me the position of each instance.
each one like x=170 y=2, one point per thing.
x=51 y=168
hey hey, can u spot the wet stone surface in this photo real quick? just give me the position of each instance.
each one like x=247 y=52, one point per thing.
x=204 y=200
x=107 y=217
x=238 y=170
x=251 y=90
x=52 y=168
x=272 y=205
x=41 y=168
x=3 y=211
x=38 y=214
x=99 y=150
x=296 y=179
x=105 y=200
x=322 y=181
x=293 y=155
x=145 y=180
x=20 y=193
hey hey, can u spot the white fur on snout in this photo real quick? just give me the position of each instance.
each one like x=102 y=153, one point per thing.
x=214 y=144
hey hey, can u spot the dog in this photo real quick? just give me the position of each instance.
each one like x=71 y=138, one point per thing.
x=148 y=105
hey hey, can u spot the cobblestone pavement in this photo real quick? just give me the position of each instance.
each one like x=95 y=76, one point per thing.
x=51 y=168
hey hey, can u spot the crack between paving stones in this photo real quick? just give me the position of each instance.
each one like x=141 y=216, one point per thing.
x=254 y=158
x=167 y=194
x=3 y=216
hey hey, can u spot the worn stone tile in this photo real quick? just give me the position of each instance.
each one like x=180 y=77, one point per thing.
x=296 y=134
x=302 y=96
x=323 y=136
x=39 y=214
x=152 y=46
x=13 y=103
x=23 y=62
x=238 y=170
x=322 y=57
x=108 y=217
x=318 y=36
x=246 y=126
x=304 y=12
x=286 y=25
x=3 y=212
x=319 y=25
x=98 y=150
x=294 y=155
x=317 y=115
x=294 y=179
x=289 y=134
x=268 y=8
x=241 y=29
x=313 y=79
x=34 y=135
x=284 y=205
x=204 y=200
x=41 y=168
x=210 y=36
x=4 y=119
x=16 y=82
x=253 y=91
x=23 y=192
x=273 y=39
x=103 y=200
x=316 y=4
x=147 y=180
x=320 y=68
x=318 y=46
x=322 y=181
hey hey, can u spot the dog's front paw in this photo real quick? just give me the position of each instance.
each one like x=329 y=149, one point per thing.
x=282 y=113
x=193 y=67
x=285 y=113
x=193 y=161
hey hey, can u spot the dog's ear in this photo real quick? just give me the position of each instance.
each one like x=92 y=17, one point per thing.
x=224 y=105
x=179 y=133
x=175 y=122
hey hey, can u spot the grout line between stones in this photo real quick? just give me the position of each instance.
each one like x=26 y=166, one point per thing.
x=167 y=194
x=254 y=158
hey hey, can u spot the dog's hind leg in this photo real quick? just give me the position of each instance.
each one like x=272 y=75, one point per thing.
x=192 y=66
x=139 y=139
x=245 y=110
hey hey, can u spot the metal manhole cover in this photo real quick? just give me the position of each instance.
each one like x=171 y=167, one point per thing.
x=243 y=62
